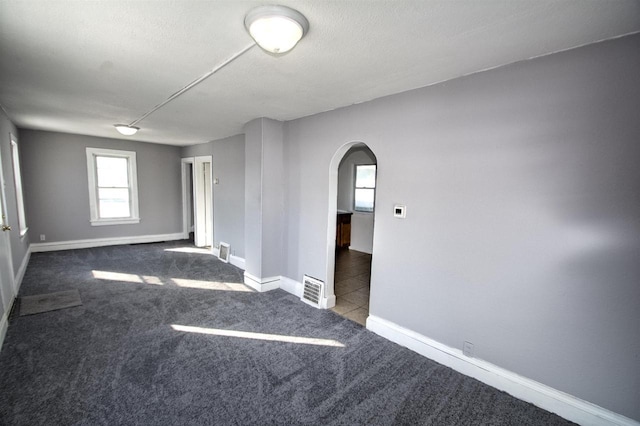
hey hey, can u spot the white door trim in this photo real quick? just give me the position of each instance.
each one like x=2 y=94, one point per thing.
x=8 y=289
x=186 y=197
x=203 y=205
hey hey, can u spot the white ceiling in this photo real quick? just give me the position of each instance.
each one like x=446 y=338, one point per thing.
x=81 y=66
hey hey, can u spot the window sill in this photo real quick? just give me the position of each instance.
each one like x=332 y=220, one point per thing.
x=123 y=221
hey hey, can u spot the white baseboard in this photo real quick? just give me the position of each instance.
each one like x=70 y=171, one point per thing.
x=543 y=396
x=363 y=249
x=291 y=286
x=285 y=283
x=4 y=325
x=237 y=261
x=261 y=284
x=328 y=302
x=233 y=259
x=102 y=242
x=17 y=282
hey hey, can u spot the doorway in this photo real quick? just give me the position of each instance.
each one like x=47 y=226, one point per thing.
x=353 y=185
x=7 y=289
x=197 y=199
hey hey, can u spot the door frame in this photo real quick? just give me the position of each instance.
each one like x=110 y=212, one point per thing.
x=330 y=296
x=5 y=245
x=202 y=202
x=186 y=196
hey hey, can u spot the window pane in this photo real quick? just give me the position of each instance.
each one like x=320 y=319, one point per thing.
x=112 y=172
x=366 y=176
x=17 y=180
x=364 y=199
x=113 y=203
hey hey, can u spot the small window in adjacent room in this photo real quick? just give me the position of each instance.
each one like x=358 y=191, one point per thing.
x=17 y=179
x=113 y=188
x=365 y=188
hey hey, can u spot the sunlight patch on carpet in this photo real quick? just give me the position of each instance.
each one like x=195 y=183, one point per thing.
x=117 y=276
x=179 y=282
x=211 y=285
x=259 y=336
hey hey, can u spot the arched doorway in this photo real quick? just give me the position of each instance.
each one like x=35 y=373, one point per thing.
x=352 y=180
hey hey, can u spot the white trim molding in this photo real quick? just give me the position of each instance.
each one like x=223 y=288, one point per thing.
x=132 y=181
x=17 y=181
x=103 y=242
x=187 y=195
x=4 y=326
x=261 y=284
x=328 y=301
x=543 y=396
x=291 y=286
x=17 y=281
x=233 y=259
x=237 y=261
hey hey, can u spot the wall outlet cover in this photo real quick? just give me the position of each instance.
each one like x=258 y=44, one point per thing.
x=467 y=349
x=400 y=211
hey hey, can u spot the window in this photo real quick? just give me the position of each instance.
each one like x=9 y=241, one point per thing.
x=17 y=180
x=365 y=188
x=113 y=187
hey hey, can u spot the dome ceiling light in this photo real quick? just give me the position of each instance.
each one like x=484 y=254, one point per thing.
x=276 y=29
x=126 y=129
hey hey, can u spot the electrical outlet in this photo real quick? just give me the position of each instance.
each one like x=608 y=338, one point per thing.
x=467 y=349
x=43 y=237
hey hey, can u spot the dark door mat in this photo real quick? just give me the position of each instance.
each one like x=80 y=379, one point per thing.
x=30 y=305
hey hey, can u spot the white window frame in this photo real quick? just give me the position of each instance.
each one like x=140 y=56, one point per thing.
x=17 y=180
x=355 y=188
x=95 y=220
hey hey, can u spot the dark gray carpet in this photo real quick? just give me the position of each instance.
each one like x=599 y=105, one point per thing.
x=117 y=360
x=31 y=305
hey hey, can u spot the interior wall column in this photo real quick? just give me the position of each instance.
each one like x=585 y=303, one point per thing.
x=264 y=203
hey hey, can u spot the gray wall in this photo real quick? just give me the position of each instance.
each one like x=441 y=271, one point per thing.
x=361 y=222
x=522 y=233
x=57 y=195
x=19 y=246
x=228 y=195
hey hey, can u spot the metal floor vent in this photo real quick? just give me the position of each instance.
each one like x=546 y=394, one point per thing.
x=312 y=290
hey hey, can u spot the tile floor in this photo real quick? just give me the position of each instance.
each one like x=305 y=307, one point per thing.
x=352 y=278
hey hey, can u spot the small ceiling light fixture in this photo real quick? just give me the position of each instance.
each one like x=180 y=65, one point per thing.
x=126 y=129
x=276 y=29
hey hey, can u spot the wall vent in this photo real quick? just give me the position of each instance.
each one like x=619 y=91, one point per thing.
x=312 y=290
